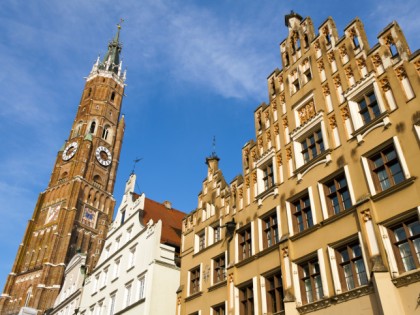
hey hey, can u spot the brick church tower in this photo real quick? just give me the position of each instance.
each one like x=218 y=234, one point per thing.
x=72 y=215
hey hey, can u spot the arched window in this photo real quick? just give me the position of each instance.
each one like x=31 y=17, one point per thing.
x=105 y=132
x=97 y=179
x=92 y=127
x=28 y=296
x=296 y=41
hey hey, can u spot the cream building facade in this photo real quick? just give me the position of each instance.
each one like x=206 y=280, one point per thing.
x=137 y=272
x=325 y=217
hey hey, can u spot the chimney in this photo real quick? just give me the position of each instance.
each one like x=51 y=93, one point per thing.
x=167 y=204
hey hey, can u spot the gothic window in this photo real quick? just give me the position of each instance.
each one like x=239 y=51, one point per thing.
x=105 y=132
x=28 y=296
x=92 y=127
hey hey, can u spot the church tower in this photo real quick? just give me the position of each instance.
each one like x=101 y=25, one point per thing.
x=73 y=213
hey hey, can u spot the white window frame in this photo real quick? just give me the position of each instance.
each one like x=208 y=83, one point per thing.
x=301 y=134
x=368 y=172
x=260 y=165
x=354 y=96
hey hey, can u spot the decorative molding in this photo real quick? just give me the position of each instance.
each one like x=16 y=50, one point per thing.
x=407 y=279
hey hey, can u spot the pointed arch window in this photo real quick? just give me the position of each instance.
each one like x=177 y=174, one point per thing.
x=105 y=132
x=92 y=127
x=28 y=296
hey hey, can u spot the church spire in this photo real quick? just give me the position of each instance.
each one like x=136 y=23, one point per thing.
x=111 y=61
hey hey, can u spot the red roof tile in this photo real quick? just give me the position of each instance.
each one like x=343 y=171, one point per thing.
x=171 y=221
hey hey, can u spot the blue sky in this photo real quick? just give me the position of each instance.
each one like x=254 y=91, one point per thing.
x=195 y=69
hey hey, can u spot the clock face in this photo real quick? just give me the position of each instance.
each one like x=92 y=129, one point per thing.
x=89 y=217
x=103 y=155
x=70 y=151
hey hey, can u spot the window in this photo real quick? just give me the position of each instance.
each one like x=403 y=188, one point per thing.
x=201 y=240
x=141 y=287
x=270 y=230
x=351 y=266
x=246 y=300
x=368 y=107
x=195 y=280
x=275 y=295
x=268 y=176
x=310 y=281
x=96 y=283
x=386 y=168
x=122 y=216
x=219 y=309
x=112 y=303
x=245 y=243
x=92 y=127
x=219 y=269
x=312 y=146
x=302 y=213
x=127 y=295
x=104 y=277
x=296 y=85
x=405 y=238
x=117 y=268
x=118 y=243
x=307 y=75
x=105 y=132
x=132 y=257
x=112 y=96
x=337 y=194
x=216 y=233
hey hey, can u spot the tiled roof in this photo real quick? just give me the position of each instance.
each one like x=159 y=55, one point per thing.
x=171 y=221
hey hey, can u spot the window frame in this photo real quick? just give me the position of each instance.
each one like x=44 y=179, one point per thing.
x=195 y=280
x=274 y=295
x=373 y=188
x=270 y=232
x=246 y=299
x=296 y=208
x=339 y=191
x=219 y=309
x=314 y=278
x=408 y=240
x=219 y=268
x=352 y=260
x=245 y=243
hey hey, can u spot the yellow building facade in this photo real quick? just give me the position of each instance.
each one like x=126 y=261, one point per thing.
x=325 y=217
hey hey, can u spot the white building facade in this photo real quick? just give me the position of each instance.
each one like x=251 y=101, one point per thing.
x=137 y=271
x=68 y=301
